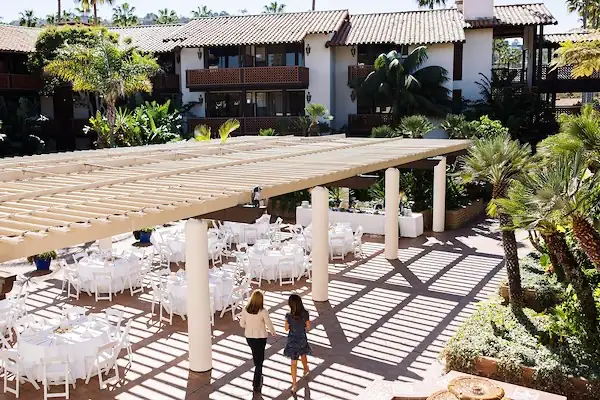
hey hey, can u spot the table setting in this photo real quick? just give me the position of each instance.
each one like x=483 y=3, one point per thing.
x=268 y=258
x=116 y=266
x=176 y=242
x=340 y=230
x=221 y=285
x=248 y=233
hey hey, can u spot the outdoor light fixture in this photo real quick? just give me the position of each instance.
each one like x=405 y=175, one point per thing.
x=353 y=51
x=308 y=97
x=353 y=95
x=200 y=100
x=200 y=54
x=307 y=49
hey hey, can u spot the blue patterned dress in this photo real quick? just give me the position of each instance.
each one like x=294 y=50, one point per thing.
x=297 y=343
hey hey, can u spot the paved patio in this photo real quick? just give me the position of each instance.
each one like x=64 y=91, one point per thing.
x=384 y=320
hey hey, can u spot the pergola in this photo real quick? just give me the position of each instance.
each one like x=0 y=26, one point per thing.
x=58 y=200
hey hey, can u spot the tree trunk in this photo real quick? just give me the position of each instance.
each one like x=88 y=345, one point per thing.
x=59 y=12
x=587 y=237
x=511 y=261
x=95 y=13
x=535 y=241
x=111 y=115
x=579 y=282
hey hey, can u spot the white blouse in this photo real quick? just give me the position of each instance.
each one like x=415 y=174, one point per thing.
x=256 y=325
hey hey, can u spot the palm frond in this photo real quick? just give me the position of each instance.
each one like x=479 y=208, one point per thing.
x=227 y=128
x=202 y=133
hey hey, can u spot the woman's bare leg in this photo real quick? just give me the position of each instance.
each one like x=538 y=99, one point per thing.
x=294 y=368
x=304 y=364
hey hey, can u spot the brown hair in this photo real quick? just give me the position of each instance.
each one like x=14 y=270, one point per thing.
x=255 y=304
x=297 y=309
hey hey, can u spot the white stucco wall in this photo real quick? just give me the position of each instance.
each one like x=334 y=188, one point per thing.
x=343 y=102
x=320 y=65
x=473 y=9
x=477 y=58
x=189 y=60
x=441 y=55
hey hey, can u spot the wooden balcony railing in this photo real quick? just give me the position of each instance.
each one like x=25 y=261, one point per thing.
x=293 y=77
x=359 y=71
x=166 y=82
x=562 y=73
x=248 y=125
x=361 y=124
x=513 y=75
x=20 y=82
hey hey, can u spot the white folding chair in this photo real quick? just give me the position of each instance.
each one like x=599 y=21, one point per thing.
x=79 y=256
x=255 y=270
x=237 y=298
x=117 y=316
x=250 y=232
x=104 y=360
x=155 y=294
x=74 y=282
x=357 y=242
x=337 y=248
x=102 y=283
x=134 y=279
x=20 y=306
x=242 y=247
x=75 y=311
x=57 y=371
x=12 y=365
x=125 y=341
x=6 y=323
x=307 y=267
x=216 y=253
x=166 y=304
x=286 y=265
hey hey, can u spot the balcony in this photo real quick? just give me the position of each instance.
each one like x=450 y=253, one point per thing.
x=560 y=80
x=20 y=82
x=252 y=77
x=248 y=125
x=359 y=71
x=361 y=124
x=166 y=82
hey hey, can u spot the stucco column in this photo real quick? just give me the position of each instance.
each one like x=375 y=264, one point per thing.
x=439 y=196
x=198 y=295
x=392 y=199
x=320 y=243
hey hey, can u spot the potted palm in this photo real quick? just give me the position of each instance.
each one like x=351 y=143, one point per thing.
x=145 y=234
x=42 y=261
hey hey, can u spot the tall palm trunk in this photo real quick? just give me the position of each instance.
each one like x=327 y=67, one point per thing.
x=59 y=12
x=587 y=237
x=511 y=261
x=95 y=13
x=579 y=282
x=111 y=115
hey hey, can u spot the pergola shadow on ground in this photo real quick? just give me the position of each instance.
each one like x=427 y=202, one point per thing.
x=384 y=319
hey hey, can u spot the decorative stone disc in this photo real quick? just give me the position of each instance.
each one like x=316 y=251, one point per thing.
x=470 y=388
x=442 y=395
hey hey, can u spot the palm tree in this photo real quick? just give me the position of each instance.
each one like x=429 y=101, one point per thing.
x=167 y=16
x=124 y=15
x=531 y=202
x=88 y=5
x=588 y=10
x=415 y=126
x=584 y=57
x=457 y=126
x=105 y=69
x=59 y=10
x=431 y=3
x=316 y=112
x=409 y=88
x=274 y=8
x=498 y=160
x=201 y=12
x=51 y=19
x=203 y=132
x=28 y=19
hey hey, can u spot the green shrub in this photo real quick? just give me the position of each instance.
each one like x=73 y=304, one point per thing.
x=384 y=131
x=49 y=255
x=415 y=126
x=267 y=132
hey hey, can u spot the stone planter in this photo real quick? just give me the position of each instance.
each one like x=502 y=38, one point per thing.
x=530 y=298
x=456 y=218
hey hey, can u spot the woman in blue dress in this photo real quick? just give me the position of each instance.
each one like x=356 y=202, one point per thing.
x=296 y=324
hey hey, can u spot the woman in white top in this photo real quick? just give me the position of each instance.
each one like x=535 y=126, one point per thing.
x=255 y=320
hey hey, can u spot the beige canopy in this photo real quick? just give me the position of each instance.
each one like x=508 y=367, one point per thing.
x=53 y=201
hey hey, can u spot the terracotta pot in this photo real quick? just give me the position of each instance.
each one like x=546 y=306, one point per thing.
x=486 y=366
x=527 y=373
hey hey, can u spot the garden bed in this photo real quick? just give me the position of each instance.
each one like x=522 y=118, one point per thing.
x=456 y=218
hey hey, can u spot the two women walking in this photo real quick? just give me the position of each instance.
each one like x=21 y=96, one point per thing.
x=256 y=321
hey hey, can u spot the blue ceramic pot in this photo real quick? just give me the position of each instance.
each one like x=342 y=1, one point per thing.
x=42 y=265
x=145 y=237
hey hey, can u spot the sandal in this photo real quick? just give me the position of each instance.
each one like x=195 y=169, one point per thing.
x=294 y=389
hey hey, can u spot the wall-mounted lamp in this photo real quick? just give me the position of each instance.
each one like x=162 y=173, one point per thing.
x=353 y=95
x=308 y=97
x=307 y=49
x=201 y=100
x=353 y=51
x=200 y=53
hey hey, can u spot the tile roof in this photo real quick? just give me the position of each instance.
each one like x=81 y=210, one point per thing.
x=257 y=29
x=573 y=36
x=411 y=27
x=516 y=15
x=149 y=37
x=18 y=39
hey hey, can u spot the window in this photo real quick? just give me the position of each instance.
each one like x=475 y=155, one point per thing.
x=295 y=103
x=260 y=56
x=457 y=101
x=458 y=62
x=276 y=55
x=274 y=104
x=223 y=104
x=368 y=53
x=223 y=57
x=294 y=54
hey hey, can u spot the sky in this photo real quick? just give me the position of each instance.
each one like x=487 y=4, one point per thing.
x=10 y=9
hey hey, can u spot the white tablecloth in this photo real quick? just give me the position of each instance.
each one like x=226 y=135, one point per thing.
x=373 y=224
x=118 y=270
x=221 y=286
x=80 y=343
x=176 y=242
x=239 y=229
x=270 y=260
x=339 y=231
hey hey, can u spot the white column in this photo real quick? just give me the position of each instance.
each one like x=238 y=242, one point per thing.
x=198 y=295
x=439 y=196
x=320 y=243
x=392 y=199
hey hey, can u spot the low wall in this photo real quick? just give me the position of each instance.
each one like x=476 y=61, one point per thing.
x=456 y=218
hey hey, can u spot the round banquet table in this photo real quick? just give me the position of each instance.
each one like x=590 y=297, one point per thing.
x=239 y=229
x=117 y=269
x=269 y=260
x=338 y=231
x=80 y=344
x=221 y=286
x=176 y=243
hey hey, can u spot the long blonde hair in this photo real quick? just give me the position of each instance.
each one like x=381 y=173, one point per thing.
x=255 y=304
